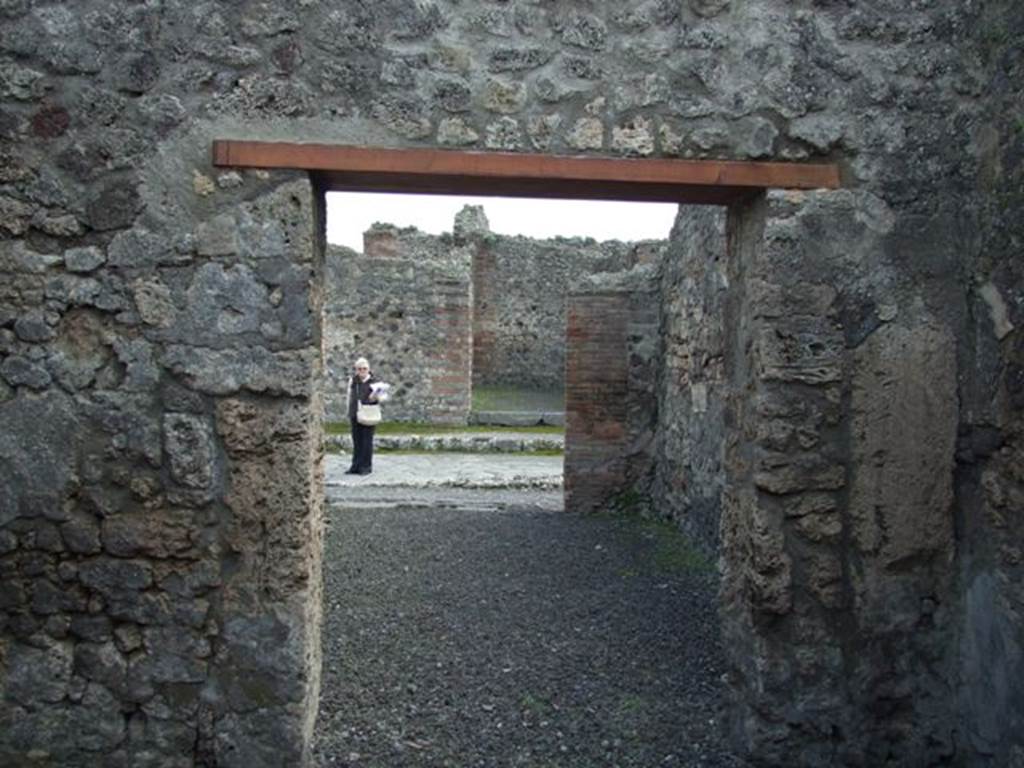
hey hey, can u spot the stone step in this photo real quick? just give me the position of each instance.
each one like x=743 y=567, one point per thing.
x=461 y=442
x=416 y=472
x=518 y=418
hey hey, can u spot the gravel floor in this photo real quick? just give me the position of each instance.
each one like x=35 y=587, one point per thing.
x=513 y=636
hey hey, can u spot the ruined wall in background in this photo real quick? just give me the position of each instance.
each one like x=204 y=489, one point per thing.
x=409 y=310
x=381 y=306
x=611 y=409
x=691 y=378
x=520 y=303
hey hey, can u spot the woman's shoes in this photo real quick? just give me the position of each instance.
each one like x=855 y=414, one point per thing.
x=351 y=471
x=364 y=471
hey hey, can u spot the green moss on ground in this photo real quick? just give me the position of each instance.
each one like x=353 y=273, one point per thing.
x=673 y=551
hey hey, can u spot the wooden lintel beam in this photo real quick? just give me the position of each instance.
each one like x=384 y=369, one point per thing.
x=502 y=173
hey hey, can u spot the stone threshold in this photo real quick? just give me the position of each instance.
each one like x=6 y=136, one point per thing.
x=459 y=442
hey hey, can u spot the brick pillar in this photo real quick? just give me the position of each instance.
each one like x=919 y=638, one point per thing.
x=451 y=388
x=484 y=314
x=596 y=389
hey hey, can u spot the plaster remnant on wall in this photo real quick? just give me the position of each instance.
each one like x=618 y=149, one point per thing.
x=699 y=398
x=1001 y=325
x=903 y=482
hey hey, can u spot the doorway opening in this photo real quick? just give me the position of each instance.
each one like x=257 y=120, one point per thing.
x=448 y=557
x=603 y=404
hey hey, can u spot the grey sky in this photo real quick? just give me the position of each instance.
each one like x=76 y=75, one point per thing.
x=349 y=214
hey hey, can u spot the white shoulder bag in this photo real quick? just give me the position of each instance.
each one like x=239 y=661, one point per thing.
x=368 y=414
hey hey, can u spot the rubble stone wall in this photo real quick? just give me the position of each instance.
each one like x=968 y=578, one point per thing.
x=160 y=349
x=161 y=489
x=990 y=438
x=692 y=389
x=412 y=318
x=521 y=285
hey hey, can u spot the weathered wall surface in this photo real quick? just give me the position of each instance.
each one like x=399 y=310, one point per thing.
x=159 y=349
x=613 y=350
x=837 y=516
x=691 y=392
x=520 y=304
x=990 y=446
x=160 y=489
x=409 y=310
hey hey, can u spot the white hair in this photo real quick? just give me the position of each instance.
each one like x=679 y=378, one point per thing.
x=362 y=361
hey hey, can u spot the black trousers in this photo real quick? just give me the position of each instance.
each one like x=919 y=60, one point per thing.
x=362 y=446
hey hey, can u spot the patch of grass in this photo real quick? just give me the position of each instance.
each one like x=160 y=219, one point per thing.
x=424 y=428
x=673 y=553
x=516 y=399
x=630 y=503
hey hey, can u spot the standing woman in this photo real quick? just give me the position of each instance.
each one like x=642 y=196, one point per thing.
x=359 y=391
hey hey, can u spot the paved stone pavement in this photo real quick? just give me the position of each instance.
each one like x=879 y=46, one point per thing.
x=447 y=470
